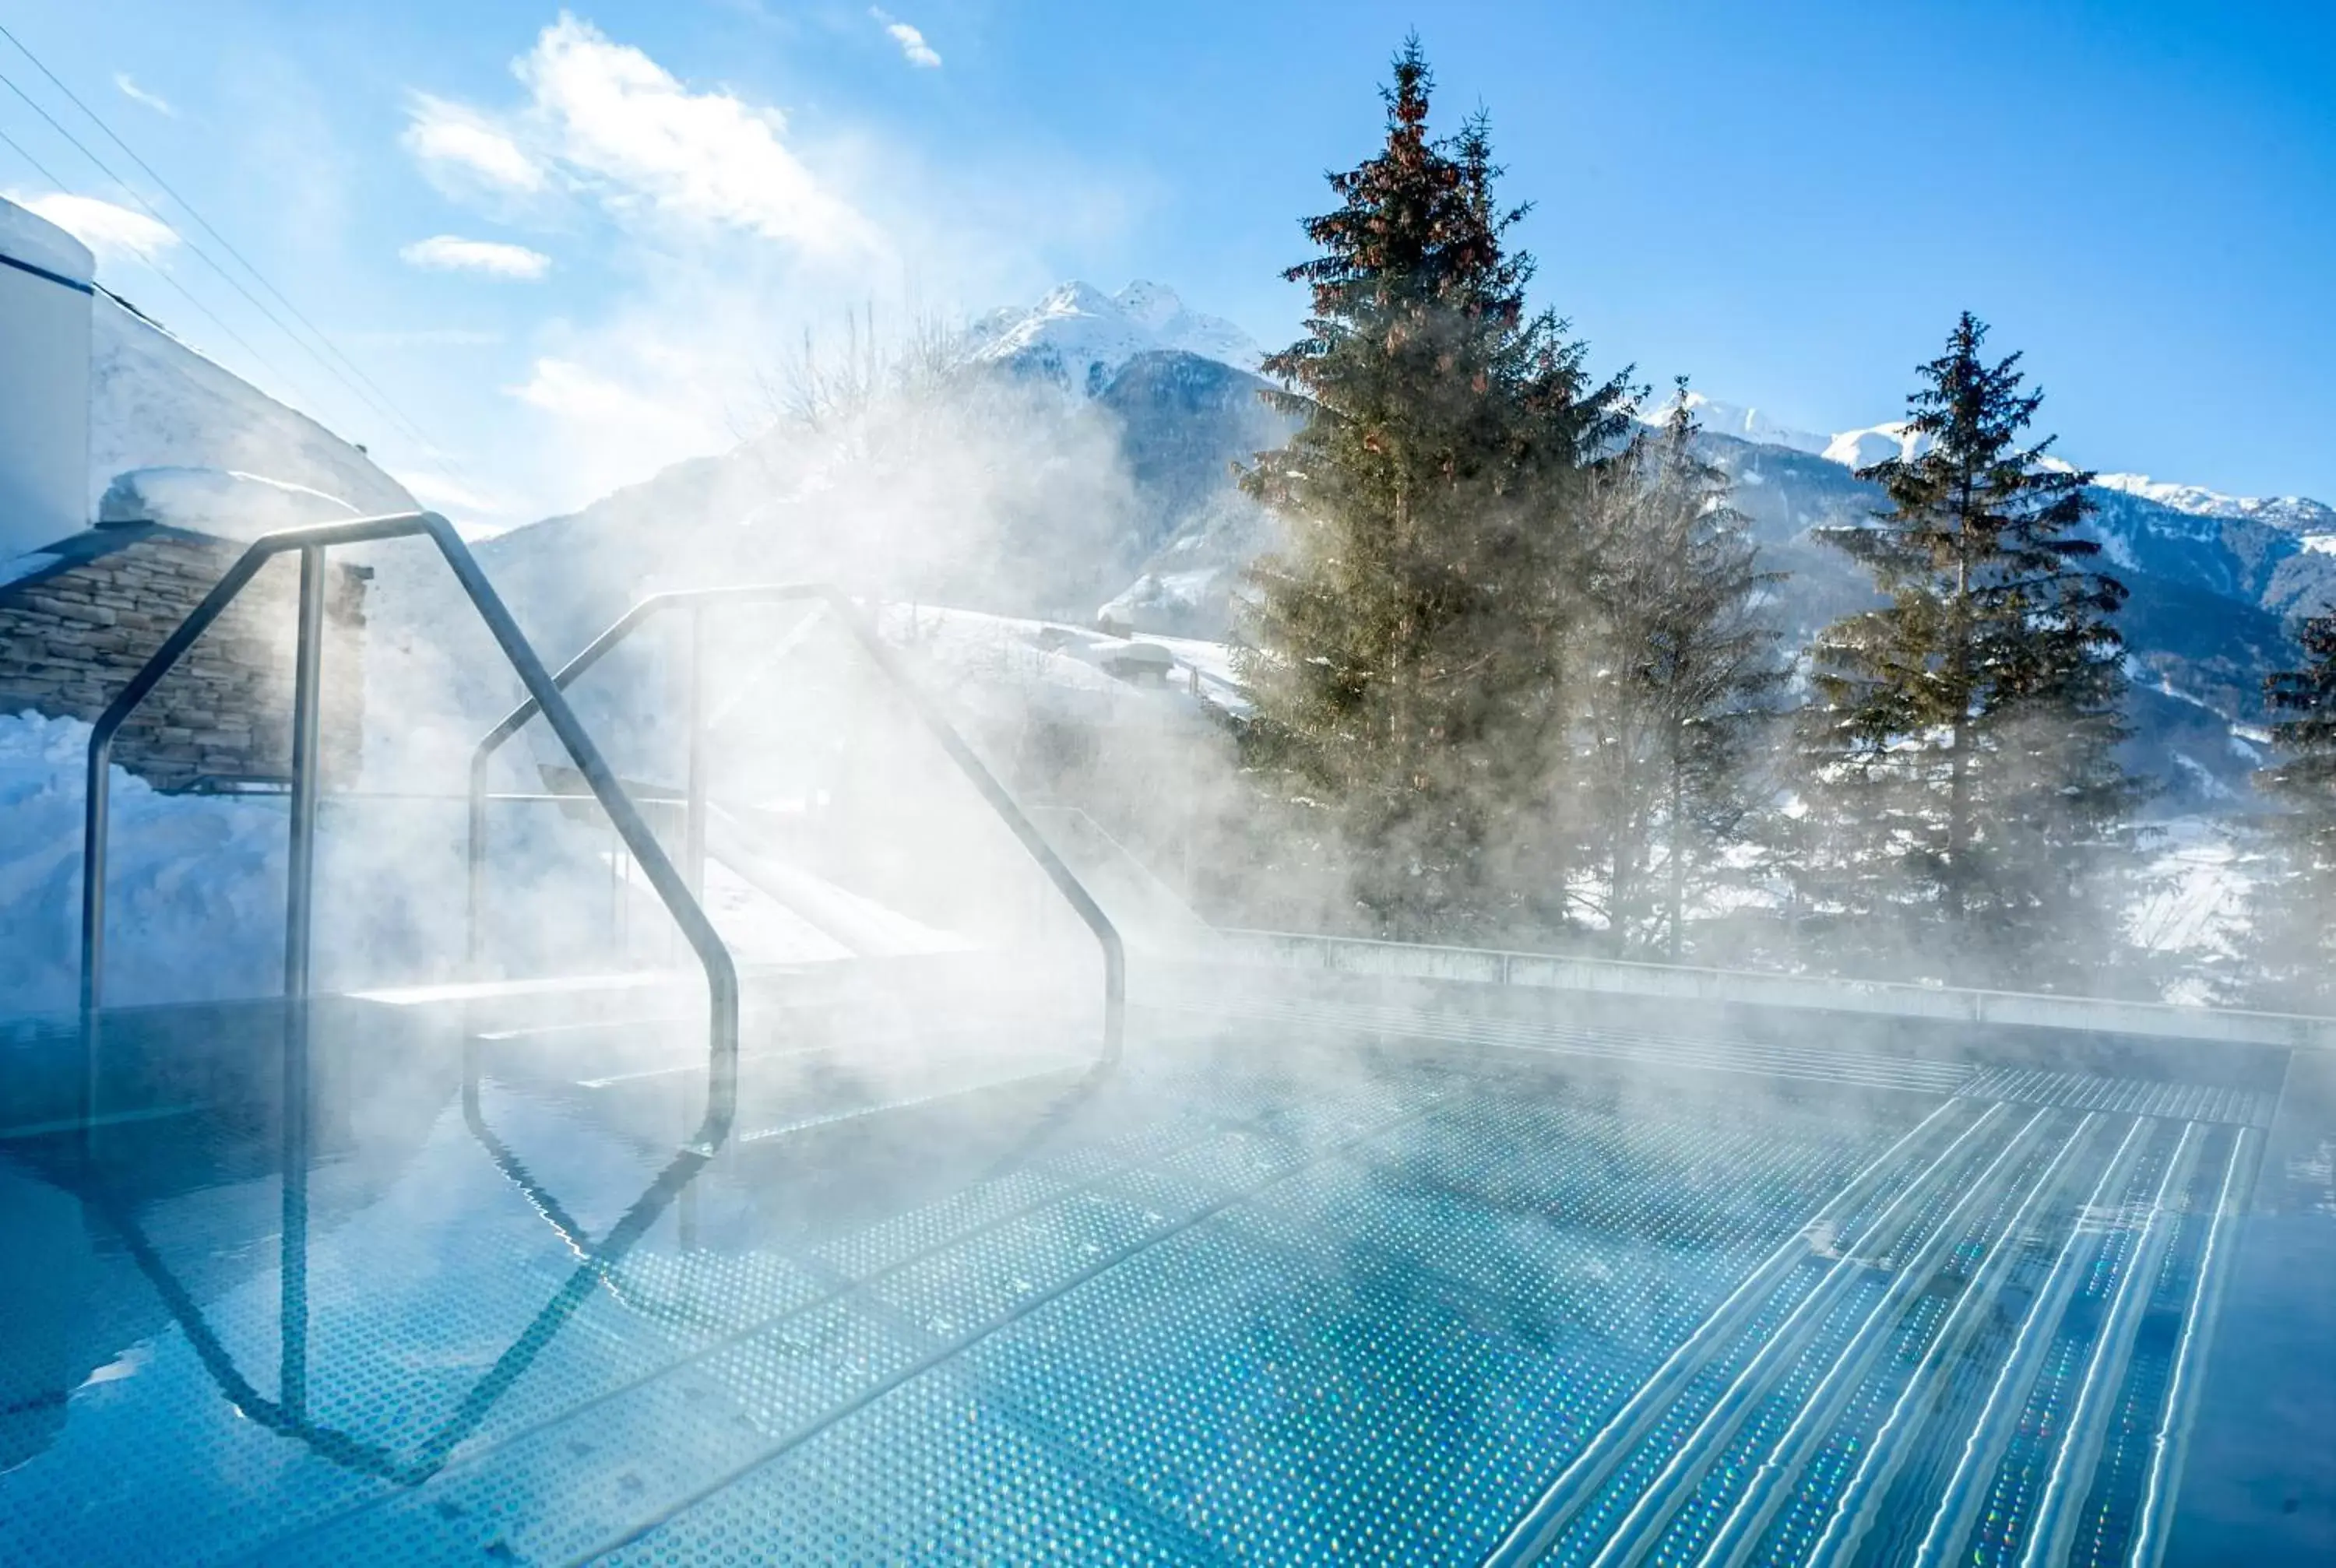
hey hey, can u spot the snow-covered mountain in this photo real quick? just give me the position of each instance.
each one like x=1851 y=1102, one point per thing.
x=2299 y=515
x=2308 y=520
x=1079 y=338
x=1128 y=483
x=1740 y=421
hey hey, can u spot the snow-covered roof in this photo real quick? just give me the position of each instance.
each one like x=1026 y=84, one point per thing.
x=34 y=241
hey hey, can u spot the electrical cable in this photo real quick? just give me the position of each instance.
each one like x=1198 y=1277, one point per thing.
x=6 y=81
x=384 y=406
x=43 y=170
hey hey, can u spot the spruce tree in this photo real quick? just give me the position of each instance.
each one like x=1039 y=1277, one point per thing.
x=1970 y=820
x=2289 y=942
x=1405 y=651
x=1681 y=663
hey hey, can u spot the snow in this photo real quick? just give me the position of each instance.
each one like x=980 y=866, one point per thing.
x=2198 y=904
x=1039 y=658
x=1850 y=448
x=195 y=906
x=1875 y=443
x=30 y=238
x=156 y=404
x=1163 y=595
x=2118 y=548
x=1079 y=336
x=217 y=502
x=195 y=882
x=2312 y=520
x=1737 y=420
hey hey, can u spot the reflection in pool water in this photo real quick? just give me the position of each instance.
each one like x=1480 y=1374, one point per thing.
x=1256 y=1292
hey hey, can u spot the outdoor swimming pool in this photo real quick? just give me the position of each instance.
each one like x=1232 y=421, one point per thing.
x=1290 y=1283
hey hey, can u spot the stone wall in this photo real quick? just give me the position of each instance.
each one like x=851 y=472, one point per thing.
x=81 y=616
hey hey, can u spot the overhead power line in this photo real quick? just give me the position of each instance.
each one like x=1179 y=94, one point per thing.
x=43 y=170
x=39 y=168
x=131 y=192
x=375 y=400
x=384 y=406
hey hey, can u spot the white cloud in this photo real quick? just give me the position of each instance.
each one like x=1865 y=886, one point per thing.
x=913 y=48
x=620 y=121
x=448 y=253
x=450 y=139
x=733 y=225
x=109 y=230
x=604 y=121
x=137 y=95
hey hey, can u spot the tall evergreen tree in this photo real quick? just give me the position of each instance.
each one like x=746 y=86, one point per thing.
x=1680 y=666
x=1407 y=650
x=1971 y=821
x=2290 y=937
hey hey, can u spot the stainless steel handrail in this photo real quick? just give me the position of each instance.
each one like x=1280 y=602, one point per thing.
x=1115 y=951
x=543 y=696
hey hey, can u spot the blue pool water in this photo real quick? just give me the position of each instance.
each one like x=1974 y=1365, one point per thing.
x=1282 y=1286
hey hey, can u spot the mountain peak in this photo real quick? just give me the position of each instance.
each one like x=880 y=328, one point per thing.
x=1078 y=336
x=2295 y=514
x=1742 y=423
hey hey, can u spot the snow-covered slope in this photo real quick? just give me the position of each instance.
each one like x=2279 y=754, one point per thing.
x=2296 y=515
x=1743 y=423
x=1078 y=336
x=2310 y=520
x=154 y=403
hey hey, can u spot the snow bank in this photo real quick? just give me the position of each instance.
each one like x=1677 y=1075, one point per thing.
x=197 y=906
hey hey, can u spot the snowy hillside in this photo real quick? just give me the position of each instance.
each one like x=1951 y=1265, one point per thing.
x=1079 y=338
x=1743 y=423
x=2296 y=515
x=1120 y=501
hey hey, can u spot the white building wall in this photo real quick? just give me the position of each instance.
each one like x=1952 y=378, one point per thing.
x=45 y=380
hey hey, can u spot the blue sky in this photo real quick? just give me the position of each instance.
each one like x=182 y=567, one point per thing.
x=571 y=247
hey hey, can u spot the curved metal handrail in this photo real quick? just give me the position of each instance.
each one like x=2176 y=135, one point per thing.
x=1090 y=913
x=543 y=696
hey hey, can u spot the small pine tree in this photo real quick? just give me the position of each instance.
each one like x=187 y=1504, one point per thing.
x=1405 y=652
x=1971 y=821
x=1680 y=666
x=2286 y=952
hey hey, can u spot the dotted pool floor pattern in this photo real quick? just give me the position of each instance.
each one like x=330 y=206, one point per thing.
x=1208 y=1310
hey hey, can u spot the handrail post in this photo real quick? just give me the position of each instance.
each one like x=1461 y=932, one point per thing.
x=693 y=826
x=936 y=724
x=475 y=866
x=543 y=696
x=299 y=934
x=300 y=862
x=96 y=802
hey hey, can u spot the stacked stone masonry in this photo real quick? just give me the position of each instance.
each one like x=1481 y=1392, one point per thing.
x=73 y=635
